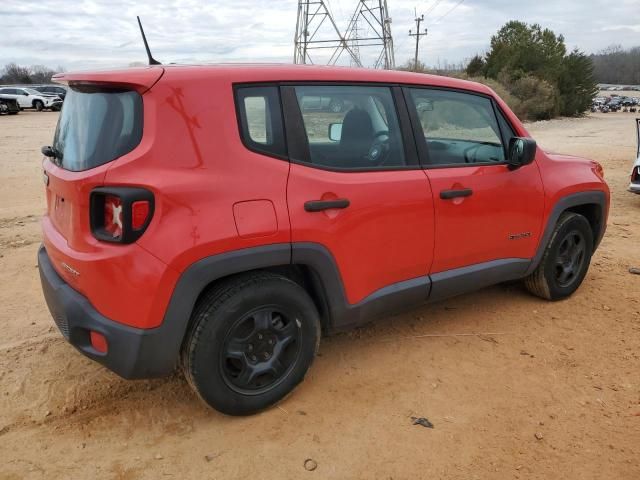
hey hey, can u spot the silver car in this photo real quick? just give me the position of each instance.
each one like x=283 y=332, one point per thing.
x=634 y=186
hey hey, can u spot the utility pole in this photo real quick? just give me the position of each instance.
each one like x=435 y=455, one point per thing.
x=418 y=34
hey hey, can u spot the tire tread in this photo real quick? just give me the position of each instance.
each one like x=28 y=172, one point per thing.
x=536 y=283
x=207 y=307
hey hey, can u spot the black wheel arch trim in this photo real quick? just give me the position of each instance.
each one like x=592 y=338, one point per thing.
x=590 y=197
x=156 y=351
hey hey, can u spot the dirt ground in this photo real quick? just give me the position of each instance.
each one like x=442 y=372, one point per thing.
x=543 y=391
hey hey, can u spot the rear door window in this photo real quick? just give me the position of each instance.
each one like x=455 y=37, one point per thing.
x=351 y=127
x=97 y=126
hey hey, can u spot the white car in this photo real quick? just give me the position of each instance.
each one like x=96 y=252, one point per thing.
x=634 y=186
x=30 y=98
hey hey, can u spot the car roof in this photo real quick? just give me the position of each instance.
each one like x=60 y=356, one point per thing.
x=266 y=72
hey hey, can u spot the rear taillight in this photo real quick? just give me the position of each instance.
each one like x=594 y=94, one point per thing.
x=139 y=213
x=113 y=216
x=120 y=214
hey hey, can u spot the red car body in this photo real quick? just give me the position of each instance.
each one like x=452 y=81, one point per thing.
x=214 y=198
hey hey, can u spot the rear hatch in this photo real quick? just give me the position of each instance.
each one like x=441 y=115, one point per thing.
x=102 y=120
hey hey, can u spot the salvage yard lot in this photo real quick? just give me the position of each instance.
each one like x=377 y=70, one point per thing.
x=544 y=390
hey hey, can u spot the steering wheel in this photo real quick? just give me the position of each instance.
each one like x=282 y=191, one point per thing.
x=468 y=158
x=379 y=150
x=471 y=158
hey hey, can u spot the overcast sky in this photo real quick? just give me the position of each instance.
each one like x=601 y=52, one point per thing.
x=103 y=33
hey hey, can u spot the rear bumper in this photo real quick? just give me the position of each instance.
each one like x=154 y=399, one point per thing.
x=132 y=352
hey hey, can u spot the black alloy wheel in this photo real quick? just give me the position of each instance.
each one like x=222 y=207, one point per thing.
x=252 y=339
x=260 y=350
x=570 y=258
x=565 y=260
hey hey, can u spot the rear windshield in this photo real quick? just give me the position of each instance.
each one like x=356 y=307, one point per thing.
x=97 y=126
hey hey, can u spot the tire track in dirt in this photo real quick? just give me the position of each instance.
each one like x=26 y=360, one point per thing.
x=73 y=391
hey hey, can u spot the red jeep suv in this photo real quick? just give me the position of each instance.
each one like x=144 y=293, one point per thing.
x=219 y=218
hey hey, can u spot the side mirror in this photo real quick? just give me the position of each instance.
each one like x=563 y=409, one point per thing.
x=522 y=151
x=335 y=132
x=25 y=94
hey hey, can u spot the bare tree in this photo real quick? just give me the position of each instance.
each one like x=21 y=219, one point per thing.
x=12 y=74
x=617 y=65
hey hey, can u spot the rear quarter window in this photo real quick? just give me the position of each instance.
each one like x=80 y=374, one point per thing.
x=260 y=120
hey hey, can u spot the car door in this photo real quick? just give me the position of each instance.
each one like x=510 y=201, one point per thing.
x=23 y=98
x=487 y=215
x=11 y=93
x=362 y=197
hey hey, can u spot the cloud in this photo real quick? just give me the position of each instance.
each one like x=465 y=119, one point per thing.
x=104 y=33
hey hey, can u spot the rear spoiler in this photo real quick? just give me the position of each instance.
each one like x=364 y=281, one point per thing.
x=140 y=79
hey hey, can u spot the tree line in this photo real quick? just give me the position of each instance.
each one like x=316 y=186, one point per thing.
x=617 y=65
x=14 y=74
x=532 y=67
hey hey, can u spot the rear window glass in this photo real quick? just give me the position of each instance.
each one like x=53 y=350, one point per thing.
x=96 y=126
x=260 y=120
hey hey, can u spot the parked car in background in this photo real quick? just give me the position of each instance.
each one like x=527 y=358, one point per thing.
x=58 y=90
x=332 y=104
x=29 y=98
x=8 y=105
x=614 y=105
x=634 y=185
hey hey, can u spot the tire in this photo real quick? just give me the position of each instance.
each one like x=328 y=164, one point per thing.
x=252 y=340
x=336 y=106
x=565 y=261
x=38 y=105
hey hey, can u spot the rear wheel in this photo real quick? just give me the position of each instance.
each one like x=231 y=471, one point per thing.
x=38 y=105
x=253 y=340
x=565 y=261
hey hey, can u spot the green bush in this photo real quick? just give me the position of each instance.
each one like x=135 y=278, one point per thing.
x=532 y=64
x=538 y=98
x=503 y=92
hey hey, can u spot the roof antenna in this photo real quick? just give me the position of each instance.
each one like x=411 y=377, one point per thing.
x=152 y=61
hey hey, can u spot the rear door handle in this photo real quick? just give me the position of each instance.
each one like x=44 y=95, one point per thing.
x=319 y=205
x=449 y=194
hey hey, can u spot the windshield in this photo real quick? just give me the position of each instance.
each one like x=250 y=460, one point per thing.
x=97 y=126
x=32 y=91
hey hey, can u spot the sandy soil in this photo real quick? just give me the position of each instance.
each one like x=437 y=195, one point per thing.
x=544 y=391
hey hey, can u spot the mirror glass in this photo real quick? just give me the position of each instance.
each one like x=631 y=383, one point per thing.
x=517 y=151
x=335 y=132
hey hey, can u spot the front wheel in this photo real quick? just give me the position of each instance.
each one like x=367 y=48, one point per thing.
x=252 y=341
x=565 y=261
x=38 y=105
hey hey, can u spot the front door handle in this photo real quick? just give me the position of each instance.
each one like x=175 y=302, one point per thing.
x=319 y=205
x=449 y=194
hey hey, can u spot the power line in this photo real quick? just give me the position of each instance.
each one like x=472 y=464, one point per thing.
x=448 y=12
x=433 y=6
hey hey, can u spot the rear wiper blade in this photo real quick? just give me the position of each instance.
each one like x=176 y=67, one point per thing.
x=51 y=152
